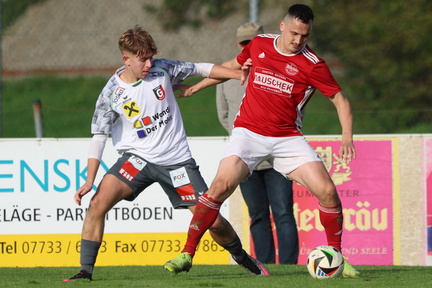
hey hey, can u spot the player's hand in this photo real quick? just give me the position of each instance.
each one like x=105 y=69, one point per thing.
x=185 y=90
x=245 y=69
x=347 y=151
x=83 y=190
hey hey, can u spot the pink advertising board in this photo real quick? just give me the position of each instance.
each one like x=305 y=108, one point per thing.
x=367 y=192
x=365 y=187
x=428 y=164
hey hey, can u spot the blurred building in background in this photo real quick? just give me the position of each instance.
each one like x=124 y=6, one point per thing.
x=80 y=36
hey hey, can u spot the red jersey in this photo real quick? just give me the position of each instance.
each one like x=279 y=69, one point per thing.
x=279 y=87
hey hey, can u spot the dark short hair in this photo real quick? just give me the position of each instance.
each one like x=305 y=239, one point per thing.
x=245 y=42
x=302 y=12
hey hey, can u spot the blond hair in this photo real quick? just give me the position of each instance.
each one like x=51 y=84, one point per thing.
x=137 y=41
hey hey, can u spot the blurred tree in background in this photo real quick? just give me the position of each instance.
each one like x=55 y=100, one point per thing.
x=173 y=14
x=14 y=10
x=384 y=47
x=378 y=51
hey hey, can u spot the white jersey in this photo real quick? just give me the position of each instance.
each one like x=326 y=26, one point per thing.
x=144 y=118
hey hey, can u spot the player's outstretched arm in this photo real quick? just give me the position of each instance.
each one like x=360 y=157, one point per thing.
x=347 y=150
x=220 y=73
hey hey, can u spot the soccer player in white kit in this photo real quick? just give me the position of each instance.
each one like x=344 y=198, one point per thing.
x=284 y=75
x=138 y=108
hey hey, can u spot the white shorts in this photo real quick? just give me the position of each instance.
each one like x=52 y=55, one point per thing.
x=285 y=153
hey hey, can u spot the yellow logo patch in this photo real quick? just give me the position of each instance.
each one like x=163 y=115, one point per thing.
x=131 y=109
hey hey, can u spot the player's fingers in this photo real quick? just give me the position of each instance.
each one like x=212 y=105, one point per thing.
x=347 y=158
x=346 y=153
x=353 y=155
x=77 y=199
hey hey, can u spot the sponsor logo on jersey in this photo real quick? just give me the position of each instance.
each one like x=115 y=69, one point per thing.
x=141 y=134
x=147 y=120
x=157 y=74
x=291 y=69
x=262 y=55
x=132 y=167
x=118 y=94
x=159 y=92
x=181 y=183
x=272 y=82
x=162 y=114
x=179 y=177
x=137 y=162
x=140 y=123
x=186 y=193
x=131 y=109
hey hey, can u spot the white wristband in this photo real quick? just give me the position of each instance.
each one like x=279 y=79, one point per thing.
x=204 y=69
x=97 y=146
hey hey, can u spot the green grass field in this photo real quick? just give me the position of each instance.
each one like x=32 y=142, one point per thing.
x=214 y=276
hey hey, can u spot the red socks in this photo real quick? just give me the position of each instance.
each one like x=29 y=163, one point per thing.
x=332 y=219
x=206 y=212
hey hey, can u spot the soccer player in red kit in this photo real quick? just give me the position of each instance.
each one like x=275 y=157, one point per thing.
x=284 y=75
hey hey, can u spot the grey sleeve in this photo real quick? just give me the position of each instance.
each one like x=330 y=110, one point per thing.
x=179 y=70
x=104 y=116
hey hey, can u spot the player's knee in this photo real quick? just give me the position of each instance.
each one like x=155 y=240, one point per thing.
x=97 y=207
x=328 y=195
x=217 y=226
x=220 y=189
